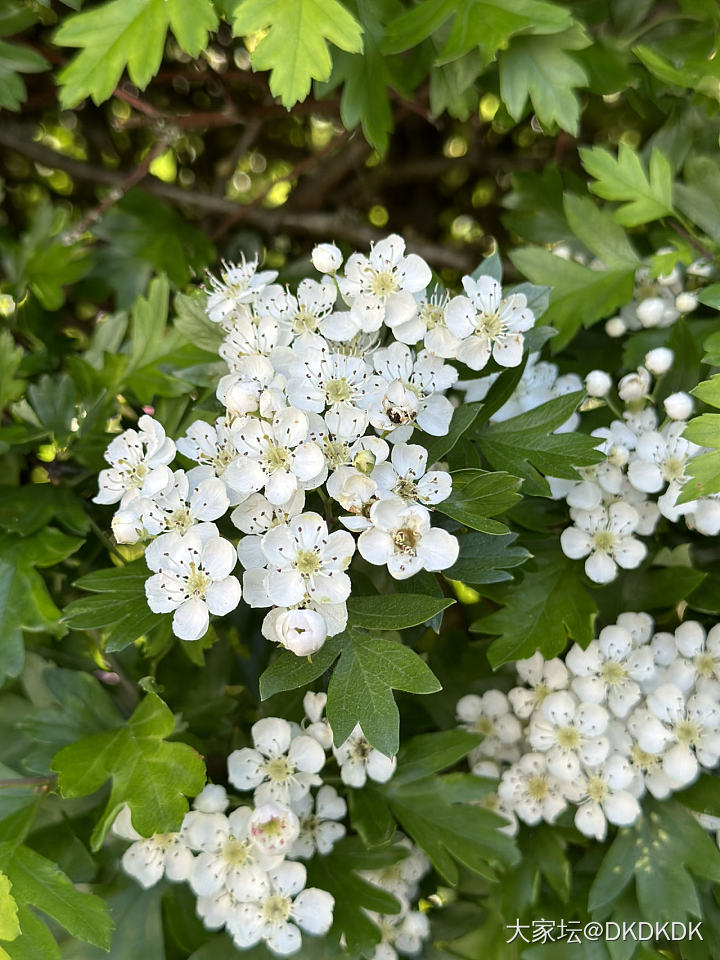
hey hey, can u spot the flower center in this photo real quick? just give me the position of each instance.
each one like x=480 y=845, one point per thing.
x=276 y=909
x=197 y=582
x=136 y=474
x=383 y=283
x=307 y=562
x=541 y=691
x=279 y=769
x=604 y=541
x=483 y=725
x=490 y=326
x=705 y=664
x=164 y=840
x=646 y=761
x=272 y=829
x=224 y=457
x=406 y=489
x=179 y=519
x=277 y=457
x=568 y=737
x=304 y=321
x=687 y=732
x=235 y=853
x=537 y=787
x=406 y=540
x=673 y=468
x=433 y=315
x=597 y=789
x=613 y=672
x=360 y=749
x=338 y=391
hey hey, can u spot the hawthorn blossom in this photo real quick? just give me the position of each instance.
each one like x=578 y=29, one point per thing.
x=605 y=537
x=320 y=381
x=229 y=860
x=209 y=445
x=380 y=288
x=147 y=860
x=686 y=732
x=319 y=826
x=279 y=767
x=491 y=715
x=402 y=539
x=304 y=629
x=541 y=677
x=603 y=797
x=238 y=284
x=277 y=917
x=358 y=760
x=138 y=461
x=405 y=477
x=488 y=325
x=274 y=456
x=192 y=580
x=660 y=458
x=611 y=670
x=569 y=733
x=531 y=791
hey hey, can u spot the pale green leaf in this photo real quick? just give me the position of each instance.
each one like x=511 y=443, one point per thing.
x=394 y=612
x=645 y=195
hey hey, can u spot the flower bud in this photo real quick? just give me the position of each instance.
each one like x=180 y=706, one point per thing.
x=326 y=258
x=365 y=461
x=302 y=631
x=678 y=406
x=650 y=311
x=686 y=302
x=598 y=383
x=634 y=386
x=659 y=360
x=615 y=327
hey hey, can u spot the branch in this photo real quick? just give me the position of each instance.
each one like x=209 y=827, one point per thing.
x=48 y=781
x=342 y=225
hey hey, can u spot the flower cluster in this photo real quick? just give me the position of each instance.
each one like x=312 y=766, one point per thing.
x=245 y=866
x=635 y=711
x=325 y=389
x=645 y=468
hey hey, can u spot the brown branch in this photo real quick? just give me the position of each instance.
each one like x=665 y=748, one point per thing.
x=340 y=225
x=48 y=781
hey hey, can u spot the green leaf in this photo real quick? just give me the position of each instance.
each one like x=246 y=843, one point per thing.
x=704 y=430
x=9 y=926
x=353 y=894
x=546 y=610
x=120 y=607
x=294 y=46
x=14 y=60
x=127 y=33
x=11 y=387
x=148 y=774
x=394 y=612
x=478 y=495
x=430 y=753
x=650 y=589
x=702 y=796
x=580 y=296
x=361 y=686
x=600 y=232
x=541 y=69
x=192 y=322
x=645 y=195
x=662 y=852
x=462 y=419
x=527 y=445
x=53 y=401
x=485 y=559
x=435 y=813
x=288 y=671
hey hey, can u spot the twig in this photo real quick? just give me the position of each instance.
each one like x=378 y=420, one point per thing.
x=339 y=225
x=693 y=241
x=29 y=782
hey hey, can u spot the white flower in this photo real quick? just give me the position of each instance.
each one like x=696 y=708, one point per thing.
x=355 y=492
x=317 y=726
x=659 y=360
x=186 y=502
x=403 y=877
x=687 y=733
x=379 y=288
x=256 y=515
x=429 y=322
x=326 y=258
x=405 y=477
x=686 y=302
x=281 y=767
x=486 y=324
x=491 y=715
x=401 y=538
x=229 y=859
x=278 y=917
x=138 y=461
x=531 y=791
x=255 y=339
x=570 y=733
x=678 y=406
x=274 y=456
x=660 y=458
x=542 y=676
x=411 y=393
x=274 y=828
x=604 y=797
x=148 y=860
x=699 y=662
x=304 y=560
x=358 y=760
x=598 y=383
x=605 y=537
x=320 y=381
x=319 y=827
x=305 y=314
x=193 y=579
x=300 y=630
x=239 y=283
x=401 y=933
x=611 y=670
